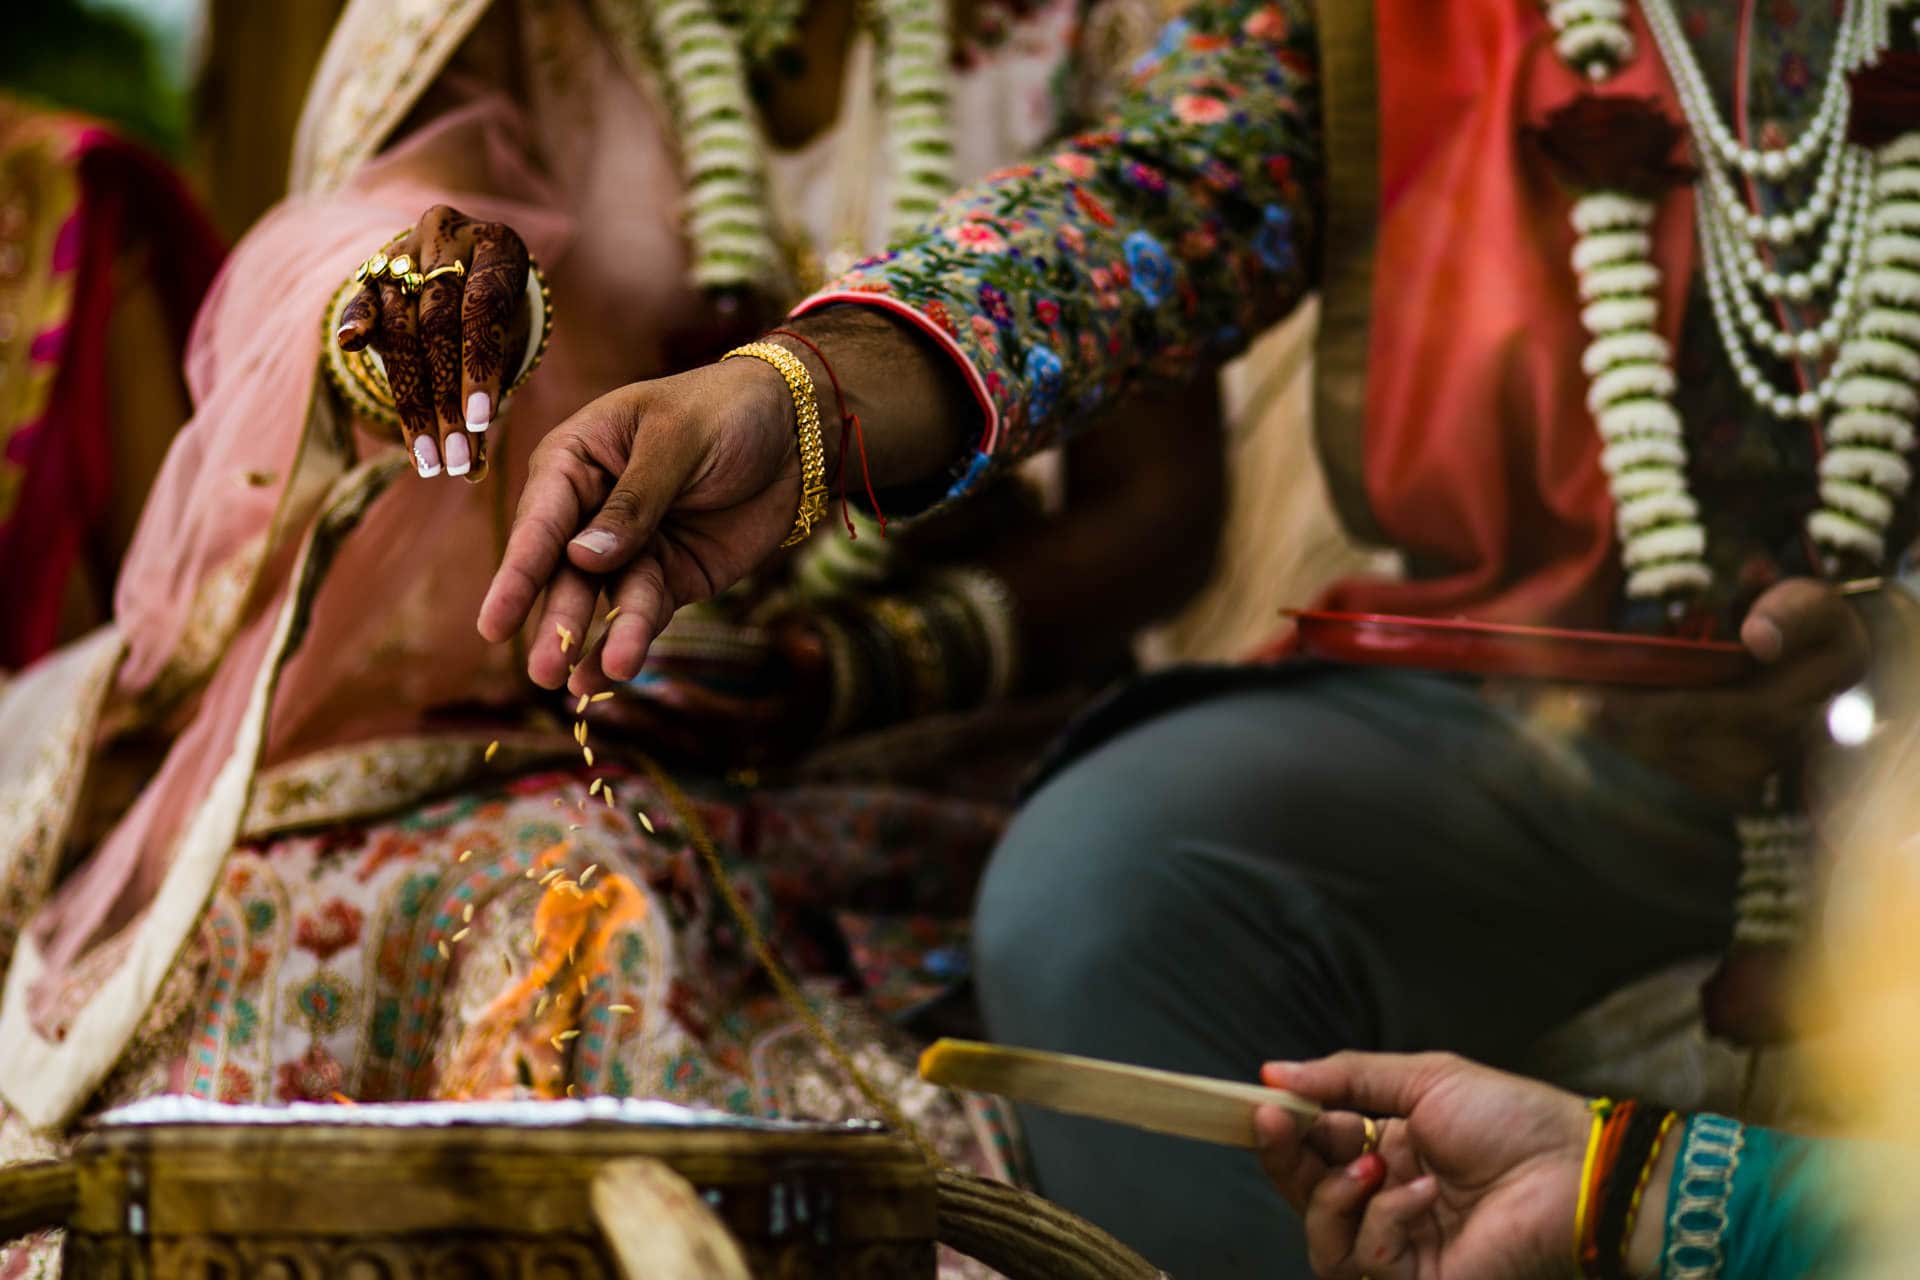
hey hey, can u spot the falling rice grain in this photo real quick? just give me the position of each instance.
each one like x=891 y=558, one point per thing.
x=572 y=1091
x=607 y=795
x=559 y=1045
x=588 y=753
x=444 y=953
x=613 y=613
x=493 y=749
x=593 y=788
x=465 y=855
x=581 y=705
x=467 y=913
x=566 y=636
x=602 y=696
x=573 y=826
x=554 y=874
x=541 y=1007
x=583 y=984
x=645 y=821
x=619 y=1008
x=568 y=1034
x=461 y=934
x=588 y=873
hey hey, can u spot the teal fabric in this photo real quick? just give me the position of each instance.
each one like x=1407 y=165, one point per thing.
x=1755 y=1204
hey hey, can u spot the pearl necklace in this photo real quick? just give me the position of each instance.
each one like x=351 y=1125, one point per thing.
x=1736 y=270
x=1867 y=271
x=1866 y=274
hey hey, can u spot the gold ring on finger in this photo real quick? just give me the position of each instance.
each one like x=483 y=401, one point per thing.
x=371 y=267
x=1371 y=1142
x=458 y=270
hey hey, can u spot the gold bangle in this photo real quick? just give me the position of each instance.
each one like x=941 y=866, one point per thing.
x=813 y=451
x=361 y=376
x=922 y=651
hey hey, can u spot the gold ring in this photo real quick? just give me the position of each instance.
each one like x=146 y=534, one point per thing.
x=371 y=267
x=456 y=269
x=1370 y=1143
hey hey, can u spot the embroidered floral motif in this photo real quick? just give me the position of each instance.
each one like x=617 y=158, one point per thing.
x=236 y=1085
x=334 y=927
x=1219 y=156
x=312 y=1077
x=323 y=1002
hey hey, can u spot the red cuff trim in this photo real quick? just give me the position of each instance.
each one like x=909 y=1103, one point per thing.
x=990 y=434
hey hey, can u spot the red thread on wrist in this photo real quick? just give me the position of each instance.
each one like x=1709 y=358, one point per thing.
x=849 y=423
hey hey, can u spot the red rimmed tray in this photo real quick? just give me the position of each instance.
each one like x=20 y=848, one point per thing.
x=1525 y=653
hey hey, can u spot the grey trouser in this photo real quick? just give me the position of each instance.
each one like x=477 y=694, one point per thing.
x=1307 y=862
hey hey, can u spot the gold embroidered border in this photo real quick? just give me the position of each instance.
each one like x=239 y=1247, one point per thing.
x=381 y=57
x=1350 y=129
x=50 y=711
x=369 y=780
x=47 y=1082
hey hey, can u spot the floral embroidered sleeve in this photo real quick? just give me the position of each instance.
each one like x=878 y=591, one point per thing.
x=1169 y=236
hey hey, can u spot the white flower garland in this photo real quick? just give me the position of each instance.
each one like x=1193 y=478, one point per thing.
x=704 y=60
x=1630 y=368
x=1872 y=390
x=1874 y=386
x=1591 y=35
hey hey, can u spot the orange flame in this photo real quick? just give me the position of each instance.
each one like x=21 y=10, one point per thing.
x=573 y=932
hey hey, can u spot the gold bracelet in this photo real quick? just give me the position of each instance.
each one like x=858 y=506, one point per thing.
x=922 y=652
x=813 y=451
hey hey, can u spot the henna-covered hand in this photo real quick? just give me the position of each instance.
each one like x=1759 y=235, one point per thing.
x=448 y=347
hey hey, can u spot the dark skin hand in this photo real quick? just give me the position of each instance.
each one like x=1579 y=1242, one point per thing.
x=449 y=348
x=1477 y=1172
x=664 y=493
x=1809 y=645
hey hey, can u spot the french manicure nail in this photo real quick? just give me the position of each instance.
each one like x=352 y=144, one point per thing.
x=479 y=411
x=426 y=457
x=459 y=454
x=598 y=541
x=344 y=332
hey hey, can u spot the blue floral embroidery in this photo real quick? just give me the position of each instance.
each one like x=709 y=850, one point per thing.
x=1172 y=36
x=1133 y=244
x=1045 y=374
x=1151 y=268
x=1274 y=241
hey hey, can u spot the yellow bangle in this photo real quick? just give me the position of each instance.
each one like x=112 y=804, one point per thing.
x=1640 y=1187
x=1601 y=1108
x=813 y=451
